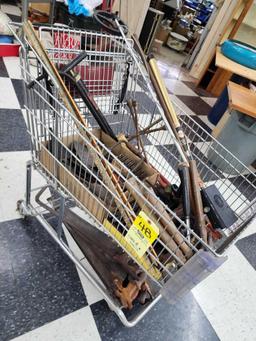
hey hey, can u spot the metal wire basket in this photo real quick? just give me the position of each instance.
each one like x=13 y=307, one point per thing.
x=113 y=74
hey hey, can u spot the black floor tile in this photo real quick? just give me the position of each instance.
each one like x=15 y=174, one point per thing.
x=14 y=18
x=199 y=91
x=171 y=154
x=194 y=131
x=208 y=172
x=246 y=185
x=247 y=247
x=145 y=104
x=19 y=90
x=196 y=104
x=183 y=321
x=3 y=70
x=203 y=125
x=13 y=131
x=11 y=2
x=43 y=284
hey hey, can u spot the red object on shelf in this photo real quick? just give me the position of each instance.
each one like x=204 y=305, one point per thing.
x=9 y=50
x=107 y=5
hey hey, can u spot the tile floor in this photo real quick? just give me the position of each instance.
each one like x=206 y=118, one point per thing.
x=42 y=294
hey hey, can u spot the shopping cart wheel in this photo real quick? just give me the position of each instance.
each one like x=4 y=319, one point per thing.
x=21 y=208
x=107 y=21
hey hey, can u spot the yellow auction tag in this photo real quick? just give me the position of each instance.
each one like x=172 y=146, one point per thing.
x=142 y=234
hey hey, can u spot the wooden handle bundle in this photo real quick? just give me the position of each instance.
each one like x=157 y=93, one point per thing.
x=169 y=233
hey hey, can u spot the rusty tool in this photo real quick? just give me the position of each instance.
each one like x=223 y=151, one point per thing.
x=118 y=272
x=148 y=129
x=128 y=292
x=132 y=105
x=168 y=223
x=135 y=167
x=126 y=155
x=67 y=73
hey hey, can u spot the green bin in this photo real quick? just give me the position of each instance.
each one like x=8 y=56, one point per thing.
x=239 y=137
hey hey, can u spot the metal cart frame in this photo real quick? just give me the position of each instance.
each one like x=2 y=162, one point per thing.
x=49 y=121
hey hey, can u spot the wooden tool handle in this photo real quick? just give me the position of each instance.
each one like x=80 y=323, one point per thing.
x=168 y=224
x=167 y=238
x=165 y=101
x=162 y=87
x=198 y=204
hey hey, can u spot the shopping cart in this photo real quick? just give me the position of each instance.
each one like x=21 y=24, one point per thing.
x=114 y=74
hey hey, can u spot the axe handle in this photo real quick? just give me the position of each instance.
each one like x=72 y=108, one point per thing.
x=198 y=204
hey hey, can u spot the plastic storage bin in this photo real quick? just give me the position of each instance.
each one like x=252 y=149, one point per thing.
x=9 y=50
x=239 y=137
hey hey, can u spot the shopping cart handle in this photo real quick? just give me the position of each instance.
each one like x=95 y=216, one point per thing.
x=74 y=62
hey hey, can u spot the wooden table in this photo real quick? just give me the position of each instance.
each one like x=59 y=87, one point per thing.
x=233 y=70
x=229 y=65
x=242 y=99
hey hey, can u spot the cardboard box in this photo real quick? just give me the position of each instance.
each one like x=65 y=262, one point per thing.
x=42 y=7
x=71 y=183
x=162 y=34
x=80 y=191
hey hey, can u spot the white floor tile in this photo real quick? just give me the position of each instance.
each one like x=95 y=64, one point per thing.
x=8 y=98
x=170 y=58
x=178 y=88
x=160 y=137
x=231 y=194
x=91 y=293
x=77 y=326
x=144 y=119
x=228 y=298
x=159 y=162
x=250 y=229
x=12 y=65
x=13 y=182
x=180 y=107
x=73 y=245
x=209 y=100
x=10 y=9
x=186 y=77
